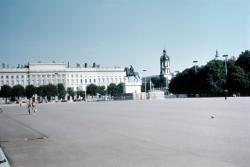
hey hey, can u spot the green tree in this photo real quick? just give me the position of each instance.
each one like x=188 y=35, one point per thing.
x=51 y=91
x=70 y=92
x=112 y=89
x=244 y=61
x=92 y=89
x=41 y=91
x=101 y=90
x=238 y=80
x=80 y=93
x=120 y=88
x=61 y=91
x=30 y=90
x=6 y=92
x=18 y=91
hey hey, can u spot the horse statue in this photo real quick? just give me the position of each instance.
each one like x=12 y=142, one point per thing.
x=131 y=73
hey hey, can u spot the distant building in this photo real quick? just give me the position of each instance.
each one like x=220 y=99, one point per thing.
x=164 y=71
x=53 y=73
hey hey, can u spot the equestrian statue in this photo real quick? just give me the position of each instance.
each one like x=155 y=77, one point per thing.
x=131 y=73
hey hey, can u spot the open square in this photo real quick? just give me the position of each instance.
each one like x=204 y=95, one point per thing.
x=190 y=132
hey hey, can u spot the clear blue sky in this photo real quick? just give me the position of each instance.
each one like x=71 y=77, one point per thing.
x=122 y=32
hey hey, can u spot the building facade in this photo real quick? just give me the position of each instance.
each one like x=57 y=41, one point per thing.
x=77 y=77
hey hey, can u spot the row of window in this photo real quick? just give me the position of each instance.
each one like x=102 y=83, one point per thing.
x=69 y=81
x=51 y=76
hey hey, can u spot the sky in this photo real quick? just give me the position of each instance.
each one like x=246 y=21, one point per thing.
x=123 y=32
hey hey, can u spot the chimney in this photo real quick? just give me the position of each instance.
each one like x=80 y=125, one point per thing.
x=94 y=65
x=85 y=65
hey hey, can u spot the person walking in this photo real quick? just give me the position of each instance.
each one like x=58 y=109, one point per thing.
x=34 y=109
x=1 y=109
x=29 y=107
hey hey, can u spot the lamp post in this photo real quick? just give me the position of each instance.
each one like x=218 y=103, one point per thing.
x=226 y=91
x=195 y=66
x=145 y=81
x=225 y=64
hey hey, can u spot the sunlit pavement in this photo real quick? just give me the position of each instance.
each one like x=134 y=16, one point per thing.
x=200 y=132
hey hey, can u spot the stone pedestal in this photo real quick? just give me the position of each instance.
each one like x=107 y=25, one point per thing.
x=132 y=85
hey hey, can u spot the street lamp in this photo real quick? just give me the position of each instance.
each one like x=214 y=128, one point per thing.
x=195 y=67
x=225 y=64
x=145 y=80
x=226 y=91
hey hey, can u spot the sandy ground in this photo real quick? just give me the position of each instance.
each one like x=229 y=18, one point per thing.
x=152 y=133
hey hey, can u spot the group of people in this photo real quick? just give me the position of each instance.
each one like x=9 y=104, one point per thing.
x=32 y=106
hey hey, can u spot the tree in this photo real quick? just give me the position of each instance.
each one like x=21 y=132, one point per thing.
x=80 y=93
x=41 y=91
x=101 y=90
x=18 y=91
x=238 y=80
x=112 y=89
x=92 y=89
x=244 y=61
x=6 y=92
x=30 y=90
x=120 y=88
x=70 y=92
x=51 y=91
x=61 y=91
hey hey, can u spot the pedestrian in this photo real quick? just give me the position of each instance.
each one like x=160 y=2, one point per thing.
x=226 y=91
x=1 y=109
x=34 y=109
x=29 y=106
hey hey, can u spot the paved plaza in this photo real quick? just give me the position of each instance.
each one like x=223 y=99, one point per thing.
x=190 y=132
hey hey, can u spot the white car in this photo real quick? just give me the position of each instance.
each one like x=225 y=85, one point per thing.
x=3 y=160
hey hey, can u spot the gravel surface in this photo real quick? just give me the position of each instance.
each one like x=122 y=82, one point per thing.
x=190 y=132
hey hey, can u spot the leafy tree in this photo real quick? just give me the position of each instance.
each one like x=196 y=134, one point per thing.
x=238 y=80
x=92 y=89
x=112 y=89
x=6 y=92
x=51 y=91
x=215 y=77
x=42 y=91
x=18 y=91
x=120 y=88
x=61 y=91
x=101 y=90
x=244 y=61
x=80 y=93
x=30 y=90
x=71 y=92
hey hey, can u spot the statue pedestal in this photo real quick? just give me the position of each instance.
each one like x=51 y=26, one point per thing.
x=132 y=85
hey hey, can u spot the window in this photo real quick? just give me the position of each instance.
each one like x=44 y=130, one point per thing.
x=86 y=80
